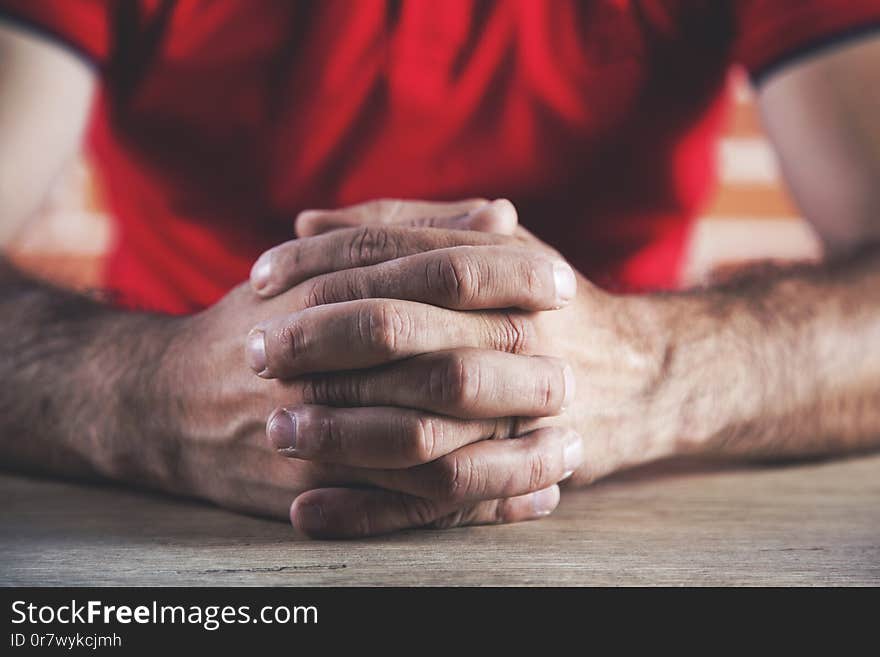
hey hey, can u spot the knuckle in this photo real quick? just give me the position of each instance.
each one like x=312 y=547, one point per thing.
x=545 y=393
x=317 y=293
x=332 y=390
x=431 y=221
x=358 y=244
x=329 y=435
x=292 y=339
x=419 y=512
x=532 y=280
x=312 y=390
x=456 y=279
x=505 y=427
x=455 y=478
x=515 y=334
x=456 y=382
x=333 y=288
x=420 y=442
x=382 y=327
x=540 y=466
x=371 y=244
x=548 y=387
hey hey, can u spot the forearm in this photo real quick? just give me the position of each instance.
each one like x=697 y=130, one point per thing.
x=80 y=395
x=781 y=365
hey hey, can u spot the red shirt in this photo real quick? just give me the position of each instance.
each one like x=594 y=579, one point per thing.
x=219 y=121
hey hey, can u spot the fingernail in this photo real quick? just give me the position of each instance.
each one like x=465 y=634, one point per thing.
x=261 y=271
x=570 y=387
x=311 y=518
x=565 y=282
x=256 y=351
x=544 y=501
x=282 y=430
x=572 y=455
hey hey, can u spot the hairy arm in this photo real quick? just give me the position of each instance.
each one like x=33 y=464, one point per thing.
x=779 y=364
x=60 y=353
x=80 y=389
x=787 y=363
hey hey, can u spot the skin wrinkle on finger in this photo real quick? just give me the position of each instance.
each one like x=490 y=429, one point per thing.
x=515 y=329
x=418 y=511
x=379 y=330
x=368 y=245
x=405 y=212
x=498 y=216
x=377 y=437
x=490 y=469
x=456 y=519
x=295 y=261
x=512 y=509
x=365 y=333
x=354 y=513
x=512 y=332
x=462 y=381
x=280 y=343
x=453 y=280
x=458 y=277
x=430 y=433
x=465 y=383
x=465 y=480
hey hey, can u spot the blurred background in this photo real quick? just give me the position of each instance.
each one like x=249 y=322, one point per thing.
x=751 y=217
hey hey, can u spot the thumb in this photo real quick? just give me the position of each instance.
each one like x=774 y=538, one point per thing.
x=497 y=217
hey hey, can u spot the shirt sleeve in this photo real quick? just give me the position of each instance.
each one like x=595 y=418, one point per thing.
x=771 y=33
x=82 y=26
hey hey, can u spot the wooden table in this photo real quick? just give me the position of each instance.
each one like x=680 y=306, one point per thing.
x=816 y=523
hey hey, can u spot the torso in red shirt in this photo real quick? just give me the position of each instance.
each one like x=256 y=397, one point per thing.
x=219 y=121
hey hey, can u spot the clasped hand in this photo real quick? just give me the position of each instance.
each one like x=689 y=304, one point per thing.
x=416 y=373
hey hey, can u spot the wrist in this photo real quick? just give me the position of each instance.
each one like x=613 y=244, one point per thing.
x=628 y=395
x=705 y=382
x=663 y=351
x=137 y=443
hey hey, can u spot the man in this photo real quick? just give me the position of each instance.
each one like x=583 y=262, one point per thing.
x=393 y=339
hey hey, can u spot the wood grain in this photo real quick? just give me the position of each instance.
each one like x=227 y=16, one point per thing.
x=810 y=524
